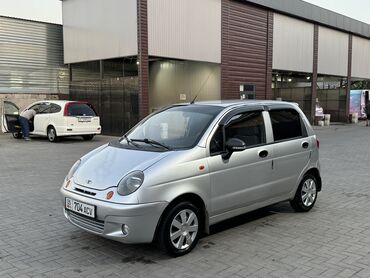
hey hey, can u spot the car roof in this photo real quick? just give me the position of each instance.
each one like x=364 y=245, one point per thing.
x=238 y=103
x=59 y=102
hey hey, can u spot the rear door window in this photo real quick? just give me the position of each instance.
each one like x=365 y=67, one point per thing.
x=44 y=108
x=80 y=109
x=287 y=124
x=55 y=108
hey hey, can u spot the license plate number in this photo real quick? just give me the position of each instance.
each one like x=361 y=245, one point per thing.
x=84 y=120
x=80 y=208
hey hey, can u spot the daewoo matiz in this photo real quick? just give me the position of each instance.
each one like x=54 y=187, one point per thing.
x=189 y=166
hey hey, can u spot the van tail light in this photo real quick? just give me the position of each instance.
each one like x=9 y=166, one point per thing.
x=318 y=143
x=65 y=113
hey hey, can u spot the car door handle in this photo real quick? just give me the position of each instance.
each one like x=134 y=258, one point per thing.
x=263 y=153
x=305 y=145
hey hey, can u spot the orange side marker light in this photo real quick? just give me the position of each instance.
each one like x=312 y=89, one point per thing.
x=109 y=195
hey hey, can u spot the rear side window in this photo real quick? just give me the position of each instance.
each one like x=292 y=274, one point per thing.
x=80 y=109
x=286 y=124
x=55 y=108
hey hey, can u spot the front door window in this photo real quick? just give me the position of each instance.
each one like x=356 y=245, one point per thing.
x=248 y=127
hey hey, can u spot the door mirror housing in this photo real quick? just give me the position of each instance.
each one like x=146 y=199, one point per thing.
x=234 y=145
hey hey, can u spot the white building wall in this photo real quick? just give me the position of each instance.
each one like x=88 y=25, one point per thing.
x=185 y=29
x=97 y=29
x=292 y=44
x=360 y=58
x=333 y=52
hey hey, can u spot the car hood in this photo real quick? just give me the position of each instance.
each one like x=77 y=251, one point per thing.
x=108 y=166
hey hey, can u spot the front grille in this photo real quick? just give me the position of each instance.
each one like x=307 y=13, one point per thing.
x=85 y=191
x=90 y=224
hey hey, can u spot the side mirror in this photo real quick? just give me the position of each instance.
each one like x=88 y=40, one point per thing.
x=234 y=145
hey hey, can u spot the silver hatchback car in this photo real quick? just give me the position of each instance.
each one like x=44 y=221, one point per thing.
x=190 y=166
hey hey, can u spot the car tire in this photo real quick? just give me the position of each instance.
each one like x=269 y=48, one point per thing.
x=180 y=229
x=306 y=194
x=17 y=135
x=52 y=134
x=88 y=137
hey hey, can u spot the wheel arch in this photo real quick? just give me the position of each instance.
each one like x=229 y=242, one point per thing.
x=49 y=126
x=186 y=197
x=315 y=172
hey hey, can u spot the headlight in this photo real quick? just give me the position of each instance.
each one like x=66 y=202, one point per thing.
x=130 y=183
x=73 y=170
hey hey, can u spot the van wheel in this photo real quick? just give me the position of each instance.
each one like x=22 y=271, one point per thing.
x=306 y=194
x=180 y=229
x=52 y=135
x=88 y=137
x=17 y=135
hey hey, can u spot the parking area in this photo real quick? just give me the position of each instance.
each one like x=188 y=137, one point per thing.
x=333 y=240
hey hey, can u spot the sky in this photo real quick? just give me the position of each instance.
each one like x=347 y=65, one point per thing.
x=357 y=9
x=51 y=10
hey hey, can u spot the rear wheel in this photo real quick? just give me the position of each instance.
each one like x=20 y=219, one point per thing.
x=306 y=194
x=17 y=135
x=52 y=134
x=88 y=137
x=180 y=229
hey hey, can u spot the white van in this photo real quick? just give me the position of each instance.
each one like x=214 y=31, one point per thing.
x=54 y=119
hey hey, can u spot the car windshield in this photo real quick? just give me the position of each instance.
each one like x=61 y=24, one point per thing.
x=178 y=127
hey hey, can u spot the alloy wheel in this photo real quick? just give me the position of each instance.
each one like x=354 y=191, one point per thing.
x=308 y=193
x=184 y=229
x=51 y=134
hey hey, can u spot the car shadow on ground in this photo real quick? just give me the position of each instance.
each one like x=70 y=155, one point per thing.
x=250 y=217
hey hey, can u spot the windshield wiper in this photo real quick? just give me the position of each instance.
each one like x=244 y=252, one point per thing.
x=152 y=142
x=129 y=141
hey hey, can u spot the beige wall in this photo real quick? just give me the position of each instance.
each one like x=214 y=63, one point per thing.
x=292 y=44
x=333 y=52
x=185 y=29
x=361 y=58
x=171 y=80
x=97 y=29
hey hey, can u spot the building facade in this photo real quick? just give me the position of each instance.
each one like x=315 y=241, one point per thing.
x=31 y=61
x=132 y=57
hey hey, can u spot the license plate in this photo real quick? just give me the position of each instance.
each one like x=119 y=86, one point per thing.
x=84 y=120
x=80 y=208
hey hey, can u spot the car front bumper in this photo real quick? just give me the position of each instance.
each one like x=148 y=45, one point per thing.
x=141 y=219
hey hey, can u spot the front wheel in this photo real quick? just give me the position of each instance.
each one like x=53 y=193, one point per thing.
x=17 y=135
x=306 y=194
x=52 y=135
x=180 y=229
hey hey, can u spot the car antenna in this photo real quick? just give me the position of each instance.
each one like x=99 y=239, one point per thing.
x=192 y=102
x=201 y=87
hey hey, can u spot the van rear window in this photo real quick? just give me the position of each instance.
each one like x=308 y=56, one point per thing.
x=80 y=109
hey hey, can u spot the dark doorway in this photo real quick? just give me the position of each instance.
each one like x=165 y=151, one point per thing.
x=115 y=100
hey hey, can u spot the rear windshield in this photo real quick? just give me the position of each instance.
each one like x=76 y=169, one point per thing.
x=80 y=109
